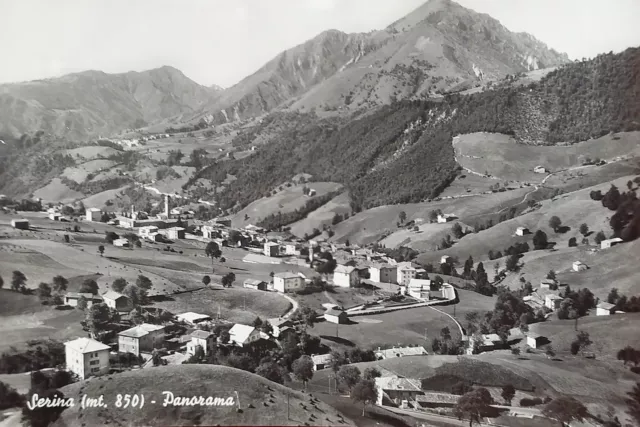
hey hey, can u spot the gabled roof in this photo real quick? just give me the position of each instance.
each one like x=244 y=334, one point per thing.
x=254 y=282
x=192 y=317
x=334 y=312
x=396 y=383
x=286 y=275
x=113 y=295
x=419 y=283
x=78 y=295
x=438 y=398
x=321 y=359
x=240 y=332
x=199 y=333
x=86 y=345
x=401 y=352
x=140 y=330
x=344 y=269
x=605 y=306
x=280 y=322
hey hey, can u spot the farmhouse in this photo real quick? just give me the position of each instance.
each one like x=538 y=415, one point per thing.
x=156 y=237
x=336 y=316
x=86 y=357
x=20 y=224
x=321 y=361
x=117 y=301
x=552 y=301
x=193 y=318
x=579 y=266
x=540 y=169
x=271 y=249
x=534 y=301
x=606 y=244
x=605 y=309
x=278 y=325
x=443 y=218
x=147 y=231
x=258 y=285
x=242 y=335
x=521 y=231
x=534 y=340
x=94 y=214
x=419 y=289
x=291 y=249
x=345 y=276
x=397 y=389
x=175 y=233
x=287 y=282
x=71 y=299
x=141 y=339
x=383 y=273
x=405 y=272
x=548 y=283
x=400 y=352
x=54 y=216
x=202 y=339
x=436 y=400
x=123 y=243
x=445 y=259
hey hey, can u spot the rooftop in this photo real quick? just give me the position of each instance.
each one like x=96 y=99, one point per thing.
x=344 y=269
x=140 y=330
x=192 y=317
x=286 y=275
x=401 y=352
x=240 y=332
x=199 y=333
x=113 y=295
x=87 y=295
x=438 y=398
x=334 y=312
x=605 y=306
x=321 y=359
x=86 y=345
x=396 y=383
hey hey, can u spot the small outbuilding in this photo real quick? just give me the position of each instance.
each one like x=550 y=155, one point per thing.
x=579 y=266
x=122 y=243
x=258 y=285
x=522 y=231
x=20 y=224
x=336 y=316
x=605 y=309
x=606 y=244
x=534 y=340
x=54 y=216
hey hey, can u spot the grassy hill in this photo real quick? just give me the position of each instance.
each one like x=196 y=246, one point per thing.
x=323 y=215
x=261 y=402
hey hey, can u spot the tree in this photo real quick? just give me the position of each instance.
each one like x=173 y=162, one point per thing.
x=629 y=355
x=573 y=242
x=305 y=315
x=135 y=294
x=551 y=275
x=555 y=223
x=1 y=282
x=9 y=397
x=508 y=393
x=338 y=359
x=457 y=231
x=365 y=391
x=119 y=284
x=206 y=280
x=565 y=409
x=46 y=415
x=473 y=405
x=599 y=237
x=213 y=251
x=371 y=373
x=89 y=286
x=303 y=369
x=272 y=371
x=82 y=303
x=18 y=281
x=540 y=240
x=445 y=333
x=101 y=250
x=349 y=375
x=44 y=290
x=402 y=217
x=550 y=352
x=584 y=229
x=143 y=282
x=512 y=262
x=228 y=279
x=98 y=318
x=633 y=403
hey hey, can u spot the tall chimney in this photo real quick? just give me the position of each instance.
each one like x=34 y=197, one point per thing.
x=166 y=205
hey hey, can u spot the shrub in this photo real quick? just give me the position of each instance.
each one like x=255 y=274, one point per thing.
x=530 y=402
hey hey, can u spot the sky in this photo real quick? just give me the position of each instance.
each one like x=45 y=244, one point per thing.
x=222 y=41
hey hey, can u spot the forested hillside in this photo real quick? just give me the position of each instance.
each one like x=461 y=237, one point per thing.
x=402 y=153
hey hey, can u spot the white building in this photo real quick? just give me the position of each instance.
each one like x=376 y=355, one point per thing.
x=147 y=231
x=335 y=315
x=321 y=361
x=444 y=259
x=405 y=272
x=400 y=352
x=175 y=233
x=271 y=249
x=605 y=309
x=540 y=169
x=345 y=276
x=86 y=357
x=71 y=299
x=193 y=318
x=242 y=335
x=383 y=273
x=606 y=244
x=203 y=339
x=117 y=301
x=258 y=285
x=54 y=216
x=142 y=338
x=533 y=339
x=419 y=289
x=579 y=266
x=291 y=249
x=548 y=283
x=287 y=282
x=552 y=301
x=521 y=231
x=122 y=243
x=20 y=224
x=94 y=214
x=443 y=218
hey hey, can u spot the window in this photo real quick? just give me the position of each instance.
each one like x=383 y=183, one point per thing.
x=94 y=362
x=95 y=369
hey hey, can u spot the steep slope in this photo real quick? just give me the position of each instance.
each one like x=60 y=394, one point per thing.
x=261 y=402
x=92 y=102
x=441 y=46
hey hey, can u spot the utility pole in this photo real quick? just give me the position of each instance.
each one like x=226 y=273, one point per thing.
x=288 y=417
x=425 y=334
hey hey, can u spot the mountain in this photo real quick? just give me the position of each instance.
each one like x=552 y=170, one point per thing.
x=93 y=103
x=439 y=47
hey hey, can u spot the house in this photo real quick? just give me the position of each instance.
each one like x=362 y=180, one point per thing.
x=445 y=259
x=122 y=243
x=540 y=169
x=336 y=316
x=436 y=400
x=606 y=244
x=487 y=342
x=94 y=214
x=258 y=285
x=444 y=218
x=405 y=272
x=396 y=389
x=548 y=284
x=345 y=276
x=20 y=224
x=155 y=237
x=291 y=249
x=579 y=266
x=400 y=352
x=175 y=233
x=147 y=231
x=552 y=301
x=226 y=222
x=287 y=282
x=534 y=301
x=54 y=216
x=383 y=273
x=321 y=361
x=86 y=357
x=142 y=338
x=117 y=301
x=605 y=309
x=521 y=231
x=71 y=299
x=203 y=339
x=193 y=318
x=419 y=289
x=278 y=325
x=534 y=340
x=271 y=249
x=242 y=335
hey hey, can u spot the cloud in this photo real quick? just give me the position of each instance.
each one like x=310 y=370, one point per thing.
x=322 y=4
